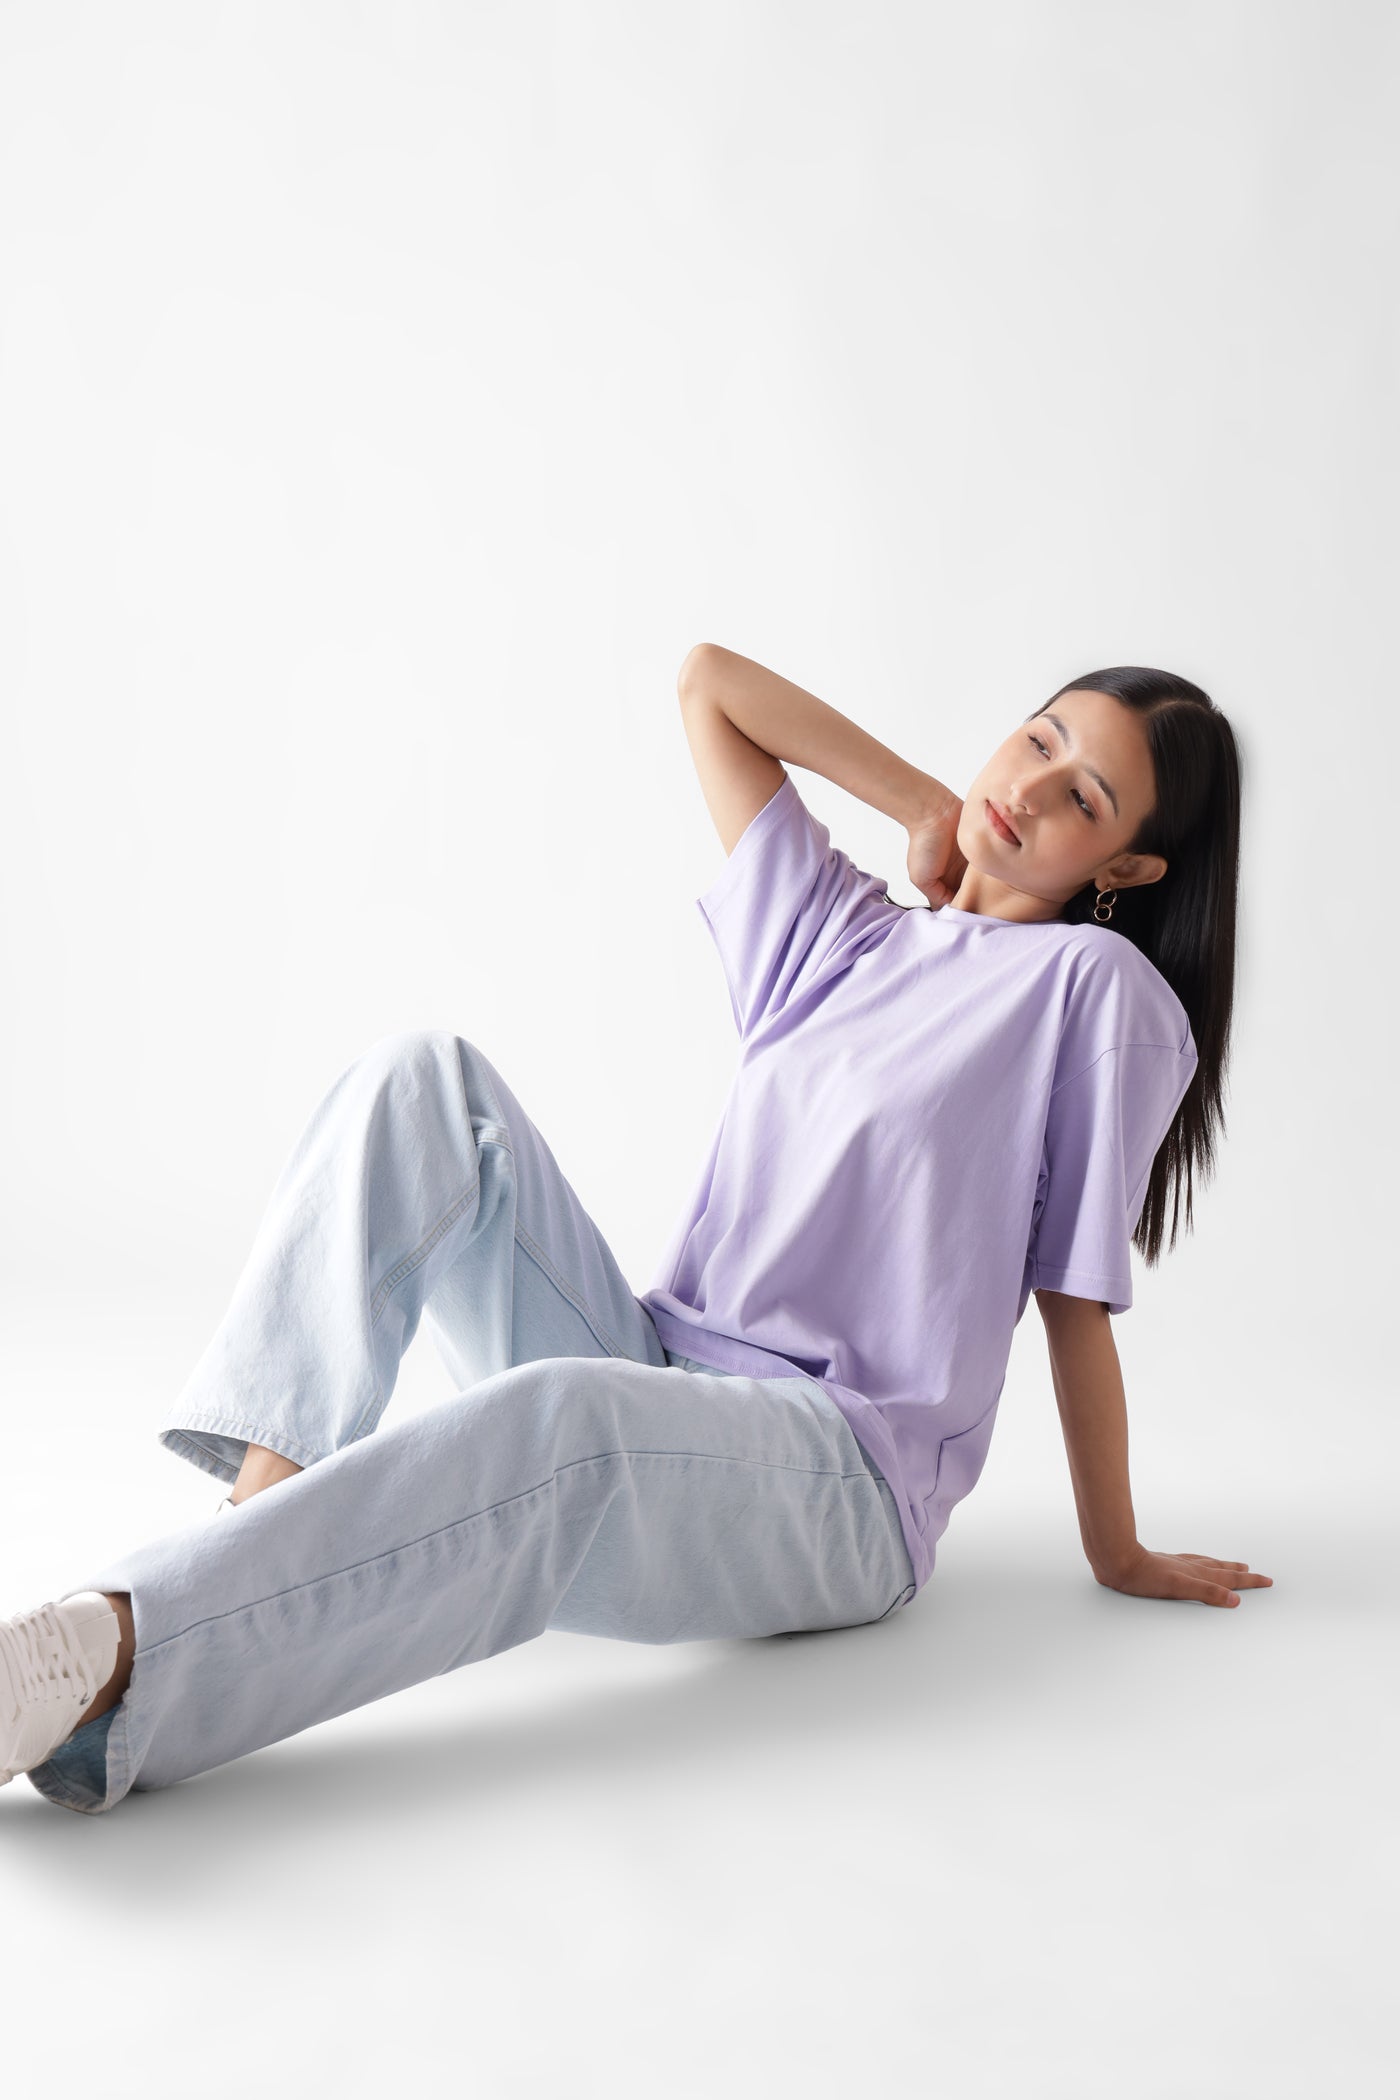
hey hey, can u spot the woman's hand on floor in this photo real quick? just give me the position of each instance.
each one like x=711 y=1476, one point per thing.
x=1198 y=1578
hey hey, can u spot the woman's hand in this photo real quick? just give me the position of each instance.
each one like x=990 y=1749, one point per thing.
x=936 y=867
x=1197 y=1577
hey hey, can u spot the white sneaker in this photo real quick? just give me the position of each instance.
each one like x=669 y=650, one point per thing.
x=53 y=1663
x=227 y=1503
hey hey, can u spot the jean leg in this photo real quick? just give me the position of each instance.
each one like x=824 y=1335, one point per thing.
x=561 y=1293
x=418 y=1181
x=595 y=1495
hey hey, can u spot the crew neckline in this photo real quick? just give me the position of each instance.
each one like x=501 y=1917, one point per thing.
x=990 y=918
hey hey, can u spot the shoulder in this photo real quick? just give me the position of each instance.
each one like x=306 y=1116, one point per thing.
x=1118 y=996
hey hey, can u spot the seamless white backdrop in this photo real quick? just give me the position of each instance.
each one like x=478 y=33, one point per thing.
x=390 y=394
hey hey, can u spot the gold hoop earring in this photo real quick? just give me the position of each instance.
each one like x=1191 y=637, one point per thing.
x=1098 y=901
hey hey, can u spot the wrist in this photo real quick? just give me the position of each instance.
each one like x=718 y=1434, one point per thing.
x=1110 y=1568
x=928 y=801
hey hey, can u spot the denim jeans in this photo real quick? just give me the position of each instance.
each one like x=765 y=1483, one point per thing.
x=582 y=1477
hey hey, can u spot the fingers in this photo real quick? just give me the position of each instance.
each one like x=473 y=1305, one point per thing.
x=1196 y=1577
x=1193 y=1586
x=1239 y=1571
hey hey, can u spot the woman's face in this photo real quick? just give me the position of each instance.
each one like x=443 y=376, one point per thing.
x=1075 y=784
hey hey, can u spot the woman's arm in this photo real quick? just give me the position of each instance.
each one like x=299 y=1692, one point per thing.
x=1094 y=1416
x=796 y=726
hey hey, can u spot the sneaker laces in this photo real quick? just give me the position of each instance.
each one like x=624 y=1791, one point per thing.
x=46 y=1656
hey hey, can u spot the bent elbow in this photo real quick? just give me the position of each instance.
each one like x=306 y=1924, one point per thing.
x=697 y=664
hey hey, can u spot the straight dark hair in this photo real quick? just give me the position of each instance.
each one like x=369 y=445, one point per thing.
x=1185 y=924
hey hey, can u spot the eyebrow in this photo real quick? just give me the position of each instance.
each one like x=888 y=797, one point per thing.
x=1069 y=746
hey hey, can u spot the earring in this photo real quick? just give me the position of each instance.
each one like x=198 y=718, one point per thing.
x=1098 y=901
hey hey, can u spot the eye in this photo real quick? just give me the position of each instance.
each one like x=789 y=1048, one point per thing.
x=1084 y=804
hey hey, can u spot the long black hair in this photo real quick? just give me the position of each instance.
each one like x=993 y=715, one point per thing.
x=1185 y=924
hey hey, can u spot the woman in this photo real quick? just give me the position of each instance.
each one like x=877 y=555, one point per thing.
x=935 y=1112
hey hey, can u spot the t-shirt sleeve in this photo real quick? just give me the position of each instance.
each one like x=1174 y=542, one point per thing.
x=1103 y=1131
x=787 y=909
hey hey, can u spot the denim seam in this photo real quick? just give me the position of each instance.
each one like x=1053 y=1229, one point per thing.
x=542 y=1261
x=119 y=1750
x=509 y=1503
x=415 y=1260
x=374 y=1407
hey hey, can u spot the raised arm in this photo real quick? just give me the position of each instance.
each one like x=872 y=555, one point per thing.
x=1088 y=1382
x=747 y=720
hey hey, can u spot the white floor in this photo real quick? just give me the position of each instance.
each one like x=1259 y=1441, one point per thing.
x=1029 y=1838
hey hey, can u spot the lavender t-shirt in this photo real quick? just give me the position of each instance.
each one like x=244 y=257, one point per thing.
x=934 y=1113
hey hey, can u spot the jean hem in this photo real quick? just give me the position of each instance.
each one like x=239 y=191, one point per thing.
x=182 y=1438
x=67 y=1776
x=64 y=1797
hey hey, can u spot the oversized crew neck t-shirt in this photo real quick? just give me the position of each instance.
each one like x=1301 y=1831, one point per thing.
x=934 y=1113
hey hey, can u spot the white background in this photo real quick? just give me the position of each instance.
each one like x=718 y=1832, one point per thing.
x=390 y=395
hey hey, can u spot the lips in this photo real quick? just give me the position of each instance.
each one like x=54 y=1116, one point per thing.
x=1001 y=823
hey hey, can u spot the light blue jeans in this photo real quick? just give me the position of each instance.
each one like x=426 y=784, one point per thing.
x=582 y=1477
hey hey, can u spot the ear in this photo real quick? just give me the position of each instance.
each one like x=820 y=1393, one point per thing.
x=1130 y=871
